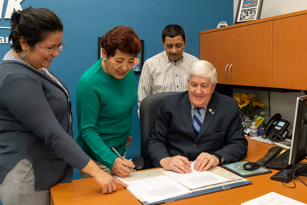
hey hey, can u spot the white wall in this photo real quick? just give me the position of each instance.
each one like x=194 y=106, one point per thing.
x=283 y=103
x=277 y=7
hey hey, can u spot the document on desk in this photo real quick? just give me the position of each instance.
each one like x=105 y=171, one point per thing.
x=158 y=188
x=272 y=199
x=196 y=179
x=148 y=188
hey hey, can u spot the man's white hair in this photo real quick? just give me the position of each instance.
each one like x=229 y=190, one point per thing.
x=204 y=69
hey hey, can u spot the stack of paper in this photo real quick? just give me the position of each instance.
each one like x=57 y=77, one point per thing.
x=156 y=189
x=157 y=185
x=196 y=179
x=273 y=199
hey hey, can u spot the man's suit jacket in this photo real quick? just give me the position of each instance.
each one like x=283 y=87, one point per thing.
x=221 y=131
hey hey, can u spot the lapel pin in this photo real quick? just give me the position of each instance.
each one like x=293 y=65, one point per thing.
x=210 y=110
x=212 y=113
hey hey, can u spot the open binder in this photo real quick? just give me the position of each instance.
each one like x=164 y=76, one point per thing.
x=232 y=180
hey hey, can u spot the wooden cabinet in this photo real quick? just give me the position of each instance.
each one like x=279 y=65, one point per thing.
x=215 y=48
x=252 y=55
x=265 y=53
x=242 y=55
x=289 y=59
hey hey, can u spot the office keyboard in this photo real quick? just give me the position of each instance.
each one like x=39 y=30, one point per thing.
x=280 y=162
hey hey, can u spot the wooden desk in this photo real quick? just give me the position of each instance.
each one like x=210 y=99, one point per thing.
x=87 y=191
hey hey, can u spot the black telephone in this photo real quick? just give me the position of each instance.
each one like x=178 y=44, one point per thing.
x=276 y=129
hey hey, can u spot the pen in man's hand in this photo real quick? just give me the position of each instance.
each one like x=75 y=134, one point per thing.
x=122 y=159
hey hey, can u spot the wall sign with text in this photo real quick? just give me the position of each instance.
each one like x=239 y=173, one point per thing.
x=7 y=7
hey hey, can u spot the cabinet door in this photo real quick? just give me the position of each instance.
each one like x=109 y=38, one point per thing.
x=289 y=59
x=215 y=48
x=251 y=55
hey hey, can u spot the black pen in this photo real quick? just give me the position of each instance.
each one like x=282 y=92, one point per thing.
x=122 y=159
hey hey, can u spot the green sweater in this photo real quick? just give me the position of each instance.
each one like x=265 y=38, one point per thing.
x=104 y=111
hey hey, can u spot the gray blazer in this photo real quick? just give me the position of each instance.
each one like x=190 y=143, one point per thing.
x=220 y=133
x=35 y=125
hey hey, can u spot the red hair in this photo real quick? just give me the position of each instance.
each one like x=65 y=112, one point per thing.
x=122 y=38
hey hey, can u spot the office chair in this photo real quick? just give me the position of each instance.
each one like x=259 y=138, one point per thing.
x=148 y=110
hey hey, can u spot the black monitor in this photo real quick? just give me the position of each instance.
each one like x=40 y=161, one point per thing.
x=299 y=136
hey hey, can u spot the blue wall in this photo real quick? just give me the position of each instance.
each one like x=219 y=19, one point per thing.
x=85 y=21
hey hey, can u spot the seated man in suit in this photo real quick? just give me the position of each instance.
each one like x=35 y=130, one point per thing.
x=197 y=125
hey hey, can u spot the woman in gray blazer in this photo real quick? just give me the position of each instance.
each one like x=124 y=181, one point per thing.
x=37 y=150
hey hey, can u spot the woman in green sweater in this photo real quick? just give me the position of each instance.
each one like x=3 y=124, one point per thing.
x=106 y=95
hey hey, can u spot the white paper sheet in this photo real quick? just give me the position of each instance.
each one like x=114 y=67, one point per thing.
x=156 y=188
x=273 y=199
x=196 y=179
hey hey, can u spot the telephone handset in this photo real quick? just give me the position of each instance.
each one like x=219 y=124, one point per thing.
x=276 y=129
x=273 y=121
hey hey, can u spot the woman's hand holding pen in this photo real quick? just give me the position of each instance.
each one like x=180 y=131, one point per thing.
x=178 y=164
x=122 y=167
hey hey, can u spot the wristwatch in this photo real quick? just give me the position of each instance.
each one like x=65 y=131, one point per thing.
x=218 y=157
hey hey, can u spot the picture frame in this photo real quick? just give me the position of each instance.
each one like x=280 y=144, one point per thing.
x=248 y=10
x=139 y=59
x=99 y=48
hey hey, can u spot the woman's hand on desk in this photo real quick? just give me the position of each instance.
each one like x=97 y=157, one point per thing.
x=204 y=161
x=121 y=167
x=106 y=181
x=178 y=164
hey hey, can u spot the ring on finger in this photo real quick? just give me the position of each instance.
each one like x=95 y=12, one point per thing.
x=207 y=159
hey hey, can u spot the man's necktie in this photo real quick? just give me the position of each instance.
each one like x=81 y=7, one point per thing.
x=196 y=122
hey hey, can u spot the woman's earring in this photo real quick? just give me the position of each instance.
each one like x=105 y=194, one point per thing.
x=23 y=55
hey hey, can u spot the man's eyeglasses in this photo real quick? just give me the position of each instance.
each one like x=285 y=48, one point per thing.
x=59 y=48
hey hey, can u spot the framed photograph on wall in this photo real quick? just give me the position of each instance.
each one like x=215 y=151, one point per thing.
x=248 y=10
x=138 y=61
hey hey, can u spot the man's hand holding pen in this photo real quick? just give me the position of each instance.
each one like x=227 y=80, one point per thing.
x=178 y=164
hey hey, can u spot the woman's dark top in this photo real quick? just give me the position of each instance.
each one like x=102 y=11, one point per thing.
x=35 y=124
